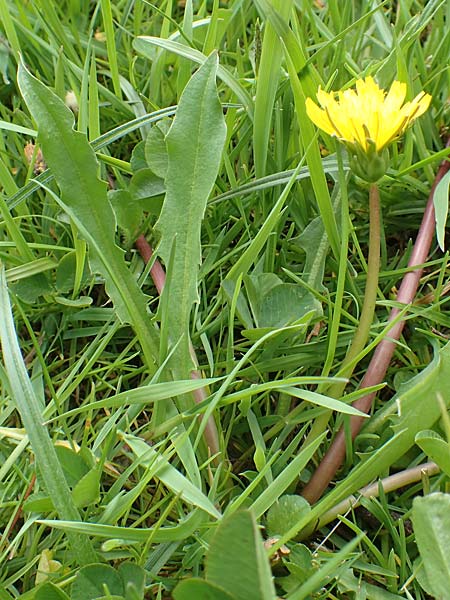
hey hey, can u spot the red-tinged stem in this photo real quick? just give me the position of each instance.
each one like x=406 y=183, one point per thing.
x=381 y=359
x=157 y=273
x=158 y=276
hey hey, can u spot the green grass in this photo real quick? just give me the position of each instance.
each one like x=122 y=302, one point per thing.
x=104 y=456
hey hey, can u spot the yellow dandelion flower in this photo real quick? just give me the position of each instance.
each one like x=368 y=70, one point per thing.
x=366 y=118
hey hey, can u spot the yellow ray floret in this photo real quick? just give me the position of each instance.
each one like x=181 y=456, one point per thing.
x=366 y=113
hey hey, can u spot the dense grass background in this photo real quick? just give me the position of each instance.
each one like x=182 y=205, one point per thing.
x=276 y=307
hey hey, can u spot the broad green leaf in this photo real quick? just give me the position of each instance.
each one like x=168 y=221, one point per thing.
x=145 y=184
x=128 y=212
x=133 y=577
x=315 y=244
x=156 y=150
x=285 y=304
x=171 y=477
x=431 y=521
x=66 y=273
x=38 y=502
x=284 y=512
x=274 y=303
x=440 y=201
x=237 y=560
x=137 y=160
x=436 y=448
x=199 y=589
x=194 y=146
x=93 y=581
x=84 y=198
x=31 y=288
x=73 y=464
x=29 y=407
x=47 y=566
x=87 y=490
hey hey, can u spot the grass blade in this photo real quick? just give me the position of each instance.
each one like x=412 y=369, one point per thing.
x=29 y=407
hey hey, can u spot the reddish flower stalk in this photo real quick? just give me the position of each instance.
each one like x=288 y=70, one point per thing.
x=158 y=276
x=381 y=358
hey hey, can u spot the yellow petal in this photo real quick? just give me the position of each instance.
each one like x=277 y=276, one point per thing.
x=392 y=128
x=368 y=89
x=395 y=97
x=318 y=117
x=339 y=118
x=324 y=98
x=422 y=101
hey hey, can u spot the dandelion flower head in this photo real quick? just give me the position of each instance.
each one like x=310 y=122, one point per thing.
x=367 y=117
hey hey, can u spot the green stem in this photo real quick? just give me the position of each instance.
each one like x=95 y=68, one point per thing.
x=370 y=295
x=362 y=332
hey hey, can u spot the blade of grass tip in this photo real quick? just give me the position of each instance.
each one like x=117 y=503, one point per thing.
x=295 y=46
x=83 y=107
x=313 y=159
x=111 y=46
x=157 y=68
x=29 y=408
x=245 y=261
x=6 y=179
x=15 y=232
x=184 y=67
x=266 y=87
x=10 y=30
x=93 y=103
x=52 y=22
x=211 y=33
